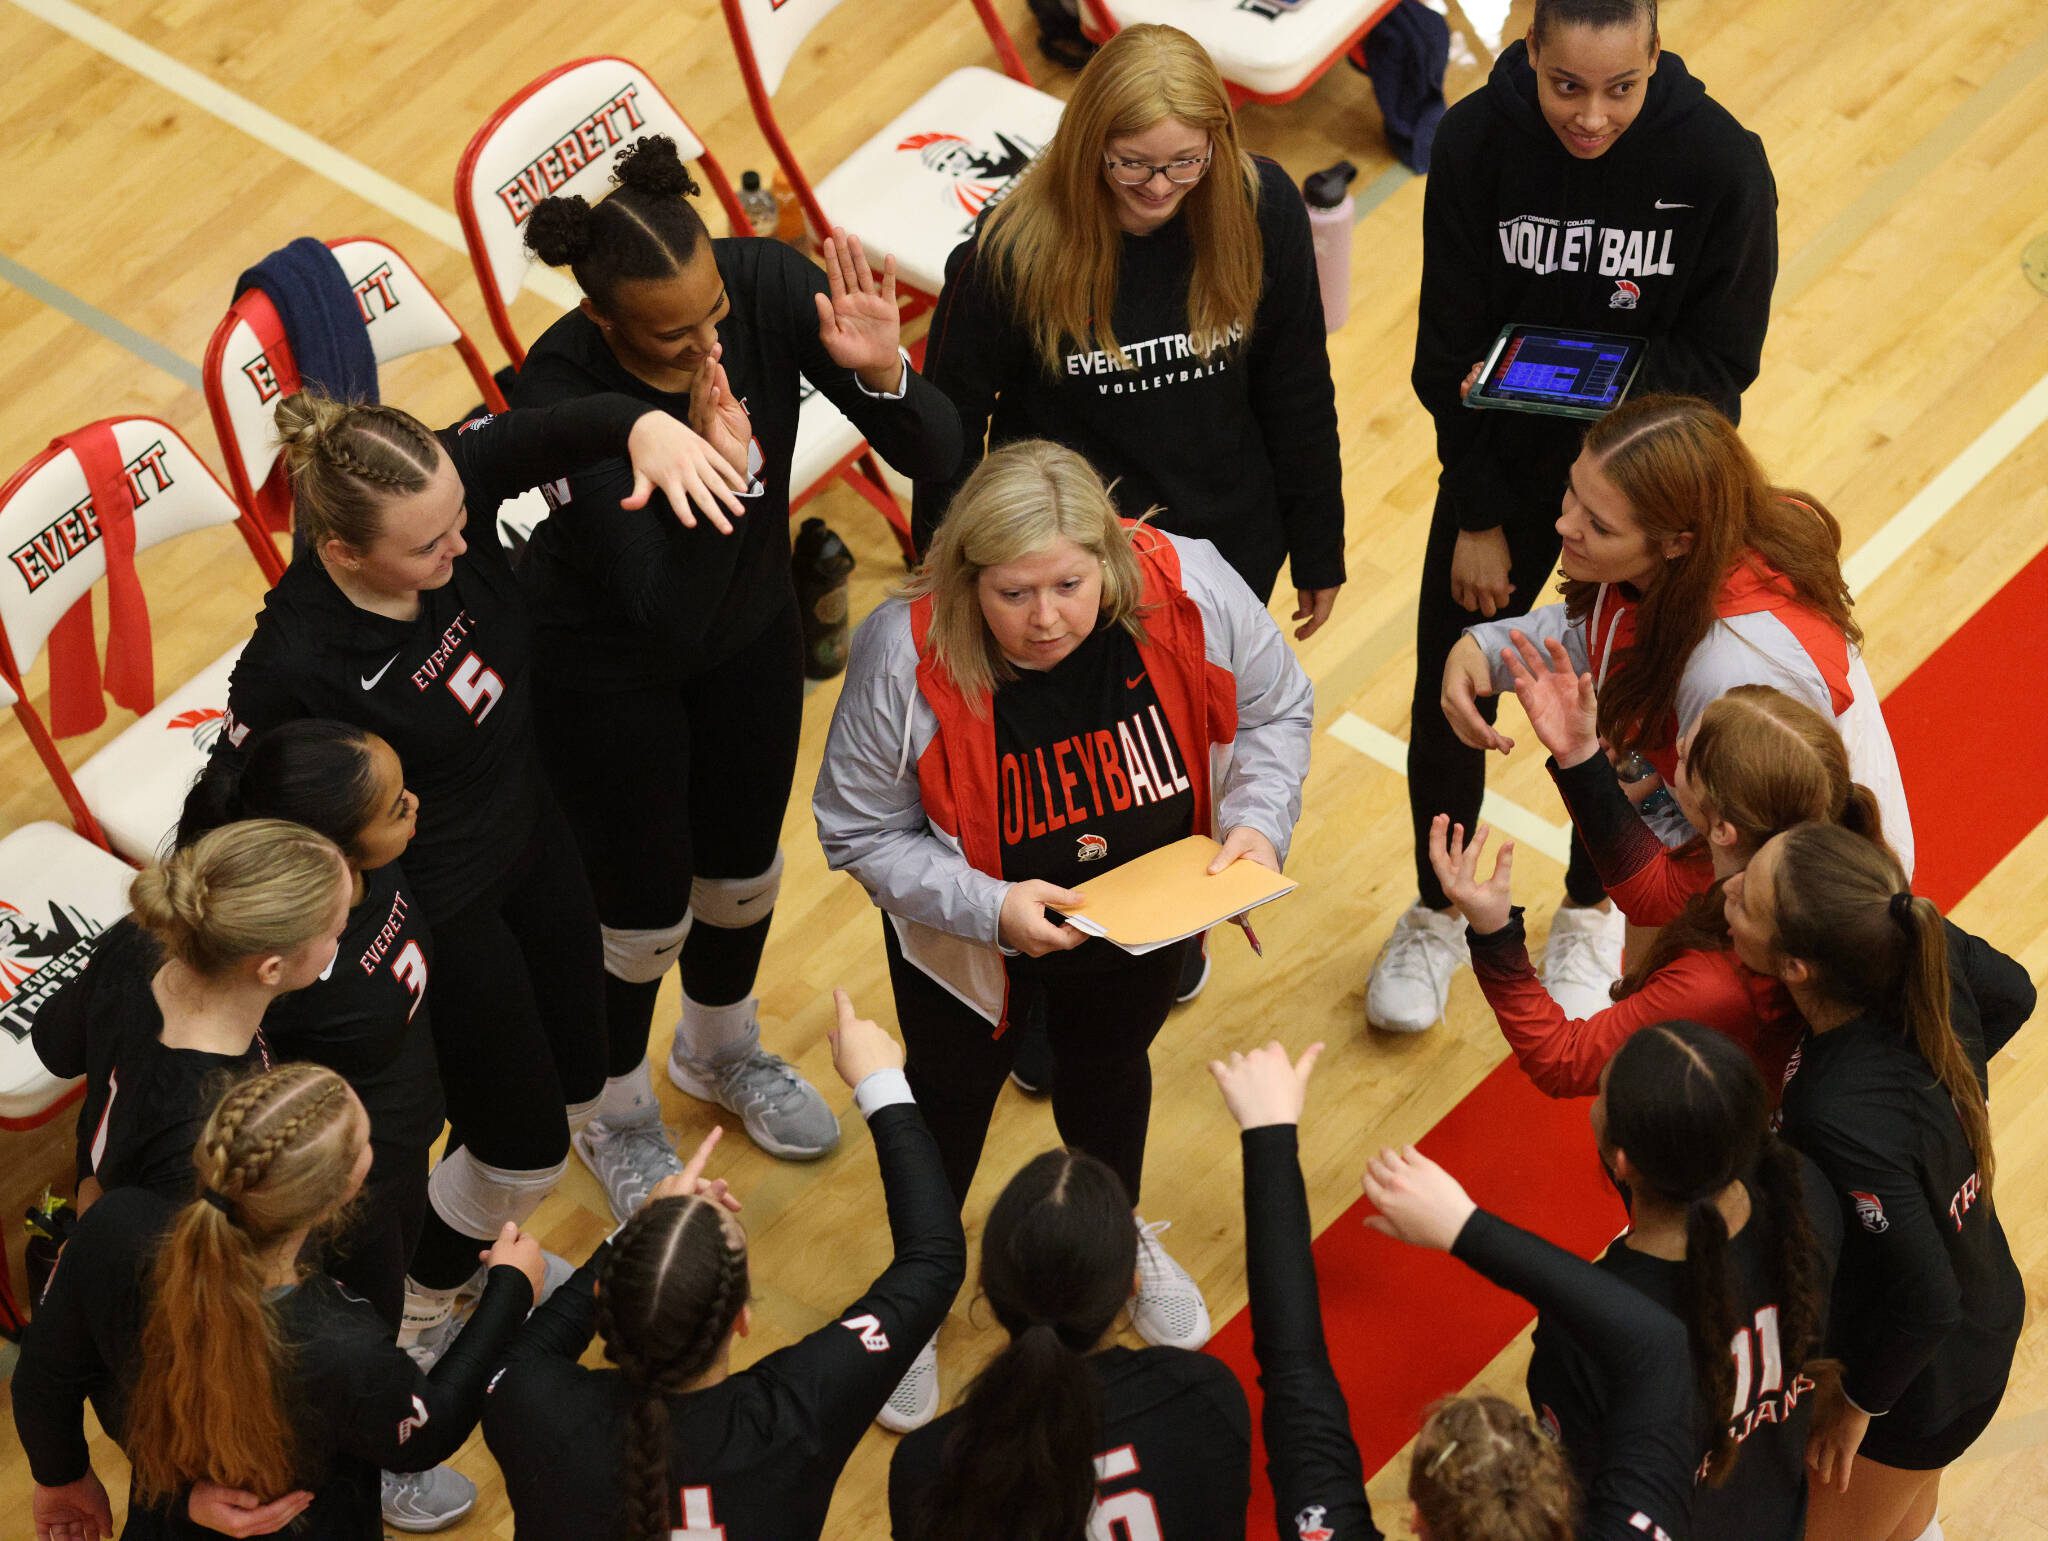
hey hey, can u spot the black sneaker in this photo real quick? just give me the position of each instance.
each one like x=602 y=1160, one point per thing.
x=1032 y=1072
x=1194 y=971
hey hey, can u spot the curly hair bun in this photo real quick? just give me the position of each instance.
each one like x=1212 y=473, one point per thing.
x=653 y=165
x=558 y=230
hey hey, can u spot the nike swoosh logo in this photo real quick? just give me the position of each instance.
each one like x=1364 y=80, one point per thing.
x=370 y=680
x=1134 y=682
x=1660 y=203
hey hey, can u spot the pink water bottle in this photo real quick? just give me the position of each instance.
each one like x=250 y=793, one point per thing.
x=1328 y=196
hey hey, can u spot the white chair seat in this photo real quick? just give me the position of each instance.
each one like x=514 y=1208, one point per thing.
x=914 y=189
x=57 y=892
x=824 y=437
x=136 y=786
x=1269 y=53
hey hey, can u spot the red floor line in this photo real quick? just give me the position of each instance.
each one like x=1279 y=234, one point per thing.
x=1405 y=1326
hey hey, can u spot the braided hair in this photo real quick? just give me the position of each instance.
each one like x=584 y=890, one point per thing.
x=645 y=228
x=277 y=1155
x=346 y=460
x=671 y=1290
x=1481 y=1471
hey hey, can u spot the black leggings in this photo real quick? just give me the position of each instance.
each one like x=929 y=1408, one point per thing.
x=1101 y=1025
x=1445 y=775
x=664 y=784
x=371 y=1255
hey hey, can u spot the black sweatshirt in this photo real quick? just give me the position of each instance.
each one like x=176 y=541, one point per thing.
x=1240 y=450
x=1764 y=1499
x=447 y=689
x=759 y=1453
x=356 y=1401
x=1671 y=235
x=624 y=598
x=1928 y=1301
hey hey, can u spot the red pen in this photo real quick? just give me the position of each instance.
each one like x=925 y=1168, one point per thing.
x=1249 y=934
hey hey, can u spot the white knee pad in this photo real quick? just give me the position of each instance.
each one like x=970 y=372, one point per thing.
x=477 y=1199
x=733 y=903
x=641 y=957
x=581 y=1113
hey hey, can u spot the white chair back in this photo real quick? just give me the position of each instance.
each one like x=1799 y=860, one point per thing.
x=775 y=30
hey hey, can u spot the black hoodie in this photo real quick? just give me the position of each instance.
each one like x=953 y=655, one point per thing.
x=1671 y=235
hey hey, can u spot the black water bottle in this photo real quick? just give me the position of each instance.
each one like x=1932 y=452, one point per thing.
x=820 y=564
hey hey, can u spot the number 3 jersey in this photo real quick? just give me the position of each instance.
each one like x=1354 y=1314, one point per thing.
x=1765 y=1497
x=448 y=689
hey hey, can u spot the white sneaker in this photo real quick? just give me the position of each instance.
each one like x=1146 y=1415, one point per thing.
x=1582 y=959
x=426 y=1335
x=915 y=1401
x=421 y=1501
x=1168 y=1310
x=627 y=1159
x=1411 y=978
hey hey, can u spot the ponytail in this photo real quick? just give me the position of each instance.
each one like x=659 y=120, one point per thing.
x=1708 y=1306
x=310 y=771
x=1778 y=1188
x=1057 y=1256
x=1841 y=905
x=277 y=1155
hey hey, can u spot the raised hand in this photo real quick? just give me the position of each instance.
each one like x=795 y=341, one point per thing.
x=1485 y=906
x=1418 y=1201
x=718 y=416
x=691 y=1182
x=1561 y=703
x=858 y=322
x=1265 y=1087
x=860 y=1047
x=667 y=453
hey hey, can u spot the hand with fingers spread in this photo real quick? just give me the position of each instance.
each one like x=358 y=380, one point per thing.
x=1418 y=1201
x=670 y=455
x=1486 y=906
x=1265 y=1086
x=1024 y=926
x=691 y=1182
x=1466 y=679
x=860 y=1047
x=858 y=322
x=717 y=415
x=1561 y=703
x=234 y=1512
x=77 y=1511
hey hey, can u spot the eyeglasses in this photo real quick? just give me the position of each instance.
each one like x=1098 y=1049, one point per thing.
x=1183 y=173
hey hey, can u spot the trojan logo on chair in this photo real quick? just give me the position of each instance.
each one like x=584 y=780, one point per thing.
x=36 y=960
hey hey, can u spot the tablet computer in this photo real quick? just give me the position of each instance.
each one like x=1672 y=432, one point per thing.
x=1557 y=370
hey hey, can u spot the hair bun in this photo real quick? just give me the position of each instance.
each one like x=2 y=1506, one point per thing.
x=304 y=419
x=654 y=165
x=558 y=230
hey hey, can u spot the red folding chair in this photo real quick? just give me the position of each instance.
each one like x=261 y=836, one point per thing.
x=249 y=369
x=1265 y=53
x=561 y=134
x=915 y=188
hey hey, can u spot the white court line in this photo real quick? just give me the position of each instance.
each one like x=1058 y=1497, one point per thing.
x=289 y=140
x=1553 y=840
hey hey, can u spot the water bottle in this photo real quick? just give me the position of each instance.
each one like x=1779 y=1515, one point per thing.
x=819 y=564
x=759 y=204
x=1328 y=196
x=789 y=215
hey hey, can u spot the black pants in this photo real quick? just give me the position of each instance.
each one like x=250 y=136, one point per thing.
x=670 y=783
x=371 y=1255
x=1445 y=775
x=1101 y=1025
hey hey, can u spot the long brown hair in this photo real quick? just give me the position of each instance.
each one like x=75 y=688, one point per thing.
x=1684 y=470
x=1055 y=243
x=276 y=1155
x=1762 y=761
x=1841 y=905
x=1481 y=1471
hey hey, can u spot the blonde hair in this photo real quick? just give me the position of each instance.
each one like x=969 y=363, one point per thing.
x=1055 y=242
x=346 y=459
x=1021 y=499
x=277 y=1155
x=1482 y=1472
x=241 y=891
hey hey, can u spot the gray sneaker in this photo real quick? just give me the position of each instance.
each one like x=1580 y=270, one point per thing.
x=421 y=1501
x=628 y=1159
x=427 y=1344
x=782 y=1112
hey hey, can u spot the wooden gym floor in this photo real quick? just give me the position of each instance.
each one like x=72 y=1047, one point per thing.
x=162 y=145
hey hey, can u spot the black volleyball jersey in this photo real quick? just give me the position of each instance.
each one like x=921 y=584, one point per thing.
x=356 y=1401
x=366 y=1018
x=626 y=598
x=448 y=689
x=1928 y=1301
x=145 y=1102
x=1764 y=1499
x=1088 y=772
x=1175 y=1461
x=755 y=1457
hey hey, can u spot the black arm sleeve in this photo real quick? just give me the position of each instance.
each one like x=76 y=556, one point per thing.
x=1644 y=1486
x=562 y=1326
x=2000 y=986
x=1616 y=837
x=507 y=453
x=406 y=1420
x=972 y=349
x=60 y=1365
x=1311 y=1458
x=1293 y=396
